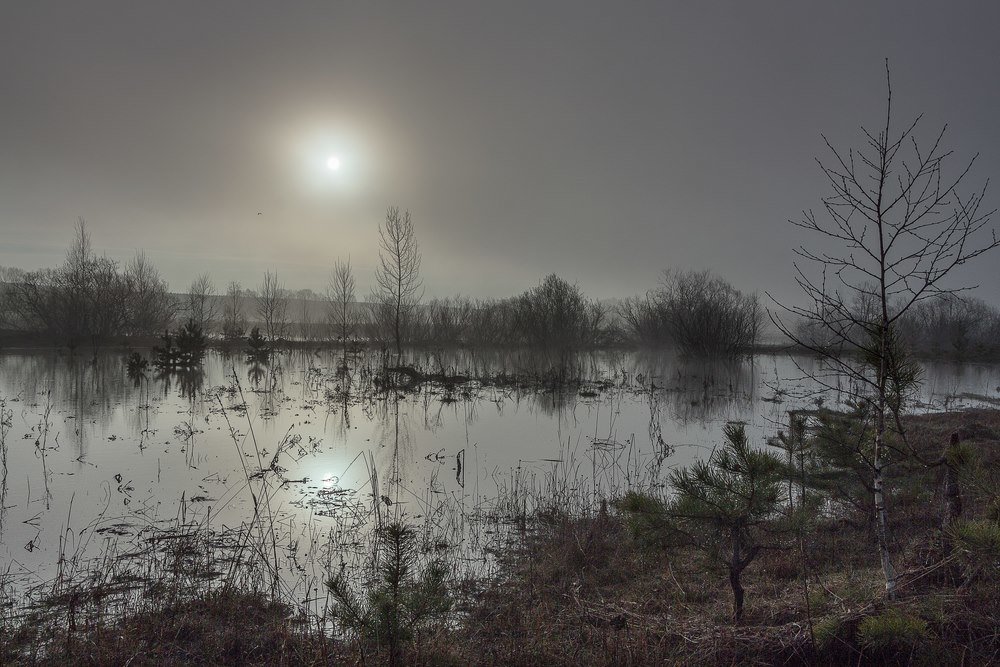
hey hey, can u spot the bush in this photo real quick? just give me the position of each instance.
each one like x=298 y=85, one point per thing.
x=700 y=314
x=257 y=347
x=827 y=631
x=555 y=314
x=726 y=507
x=183 y=351
x=136 y=364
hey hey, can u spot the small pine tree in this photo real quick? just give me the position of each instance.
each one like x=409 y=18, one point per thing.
x=721 y=507
x=136 y=365
x=399 y=602
x=192 y=343
x=257 y=347
x=184 y=350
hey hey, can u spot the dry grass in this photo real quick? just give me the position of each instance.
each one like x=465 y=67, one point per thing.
x=220 y=628
x=580 y=591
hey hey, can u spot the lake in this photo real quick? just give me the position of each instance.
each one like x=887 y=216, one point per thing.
x=96 y=463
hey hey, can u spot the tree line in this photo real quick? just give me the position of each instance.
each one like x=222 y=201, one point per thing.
x=93 y=299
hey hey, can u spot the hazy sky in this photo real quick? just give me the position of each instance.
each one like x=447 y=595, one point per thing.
x=601 y=141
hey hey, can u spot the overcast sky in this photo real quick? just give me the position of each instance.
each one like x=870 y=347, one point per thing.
x=601 y=141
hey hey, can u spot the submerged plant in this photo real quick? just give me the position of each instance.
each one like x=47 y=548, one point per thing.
x=399 y=601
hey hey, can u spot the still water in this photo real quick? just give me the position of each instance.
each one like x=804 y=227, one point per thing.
x=93 y=460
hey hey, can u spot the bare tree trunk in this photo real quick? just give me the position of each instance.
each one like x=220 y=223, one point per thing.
x=738 y=593
x=881 y=517
x=399 y=347
x=397 y=278
x=736 y=567
x=952 y=490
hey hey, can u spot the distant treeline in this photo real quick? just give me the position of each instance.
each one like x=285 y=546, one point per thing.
x=948 y=325
x=93 y=299
x=87 y=299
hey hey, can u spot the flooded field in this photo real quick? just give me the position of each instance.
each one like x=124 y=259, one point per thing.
x=97 y=466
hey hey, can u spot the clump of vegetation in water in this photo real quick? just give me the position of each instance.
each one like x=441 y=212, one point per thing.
x=257 y=346
x=136 y=364
x=183 y=350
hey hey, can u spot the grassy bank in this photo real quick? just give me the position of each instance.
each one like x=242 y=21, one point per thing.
x=581 y=589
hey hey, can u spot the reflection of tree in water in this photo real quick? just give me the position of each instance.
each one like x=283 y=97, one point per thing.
x=267 y=380
x=92 y=386
x=530 y=365
x=82 y=388
x=256 y=371
x=188 y=383
x=395 y=443
x=708 y=392
x=553 y=402
x=138 y=420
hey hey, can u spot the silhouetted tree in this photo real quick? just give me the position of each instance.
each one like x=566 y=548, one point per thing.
x=150 y=306
x=340 y=294
x=183 y=350
x=200 y=302
x=397 y=279
x=257 y=346
x=234 y=323
x=556 y=314
x=90 y=296
x=902 y=226
x=272 y=307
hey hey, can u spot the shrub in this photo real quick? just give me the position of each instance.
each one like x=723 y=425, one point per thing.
x=183 y=351
x=555 y=314
x=726 y=507
x=400 y=600
x=136 y=364
x=257 y=347
x=699 y=313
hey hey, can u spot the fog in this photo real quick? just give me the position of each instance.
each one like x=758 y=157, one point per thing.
x=525 y=139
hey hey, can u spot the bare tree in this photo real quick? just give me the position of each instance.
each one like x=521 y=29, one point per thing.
x=150 y=306
x=201 y=305
x=272 y=307
x=76 y=280
x=895 y=227
x=234 y=323
x=340 y=294
x=305 y=318
x=397 y=279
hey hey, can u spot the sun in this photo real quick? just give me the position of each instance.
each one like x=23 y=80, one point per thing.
x=333 y=163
